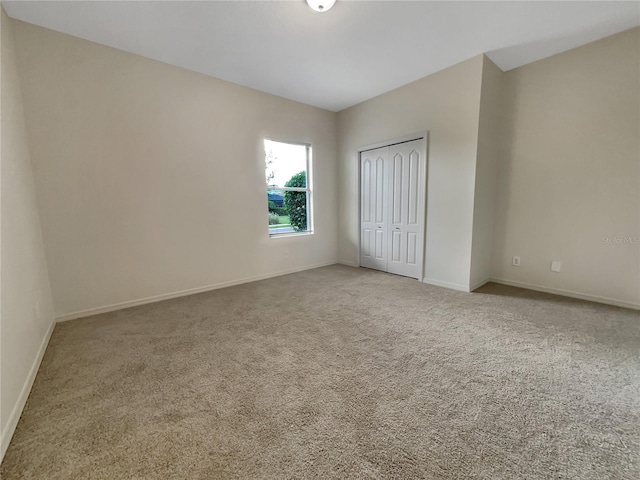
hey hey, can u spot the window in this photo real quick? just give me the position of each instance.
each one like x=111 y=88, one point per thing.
x=288 y=187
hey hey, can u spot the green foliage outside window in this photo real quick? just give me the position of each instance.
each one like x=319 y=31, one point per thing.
x=273 y=208
x=296 y=202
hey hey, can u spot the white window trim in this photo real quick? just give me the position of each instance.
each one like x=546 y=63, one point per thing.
x=308 y=190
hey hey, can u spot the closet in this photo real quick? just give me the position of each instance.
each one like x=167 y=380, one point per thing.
x=392 y=208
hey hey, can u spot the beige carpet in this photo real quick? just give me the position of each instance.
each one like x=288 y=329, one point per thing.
x=338 y=373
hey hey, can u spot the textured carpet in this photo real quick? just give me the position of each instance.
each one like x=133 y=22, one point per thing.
x=338 y=373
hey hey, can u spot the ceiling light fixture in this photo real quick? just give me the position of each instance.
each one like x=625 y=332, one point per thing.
x=321 y=5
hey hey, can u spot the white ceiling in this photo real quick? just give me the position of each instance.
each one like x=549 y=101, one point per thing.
x=355 y=51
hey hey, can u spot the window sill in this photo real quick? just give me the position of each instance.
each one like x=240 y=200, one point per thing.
x=291 y=234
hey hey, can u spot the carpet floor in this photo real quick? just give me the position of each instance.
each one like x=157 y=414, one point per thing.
x=338 y=372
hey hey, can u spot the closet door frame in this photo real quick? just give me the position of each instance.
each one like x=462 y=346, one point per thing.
x=424 y=138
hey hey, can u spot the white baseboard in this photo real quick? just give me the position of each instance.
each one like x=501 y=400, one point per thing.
x=479 y=284
x=568 y=293
x=14 y=417
x=348 y=264
x=452 y=286
x=183 y=293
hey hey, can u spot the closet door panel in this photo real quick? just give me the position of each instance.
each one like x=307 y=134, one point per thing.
x=398 y=180
x=406 y=198
x=415 y=217
x=374 y=207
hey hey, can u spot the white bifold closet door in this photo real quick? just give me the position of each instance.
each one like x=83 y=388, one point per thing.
x=392 y=208
x=374 y=192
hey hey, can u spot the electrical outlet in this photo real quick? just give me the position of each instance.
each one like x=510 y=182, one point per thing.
x=286 y=253
x=515 y=261
x=555 y=266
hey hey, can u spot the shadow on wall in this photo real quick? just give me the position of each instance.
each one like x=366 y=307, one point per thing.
x=497 y=289
x=518 y=55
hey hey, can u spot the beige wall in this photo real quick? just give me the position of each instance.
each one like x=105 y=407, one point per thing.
x=491 y=144
x=447 y=105
x=571 y=176
x=150 y=178
x=24 y=328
